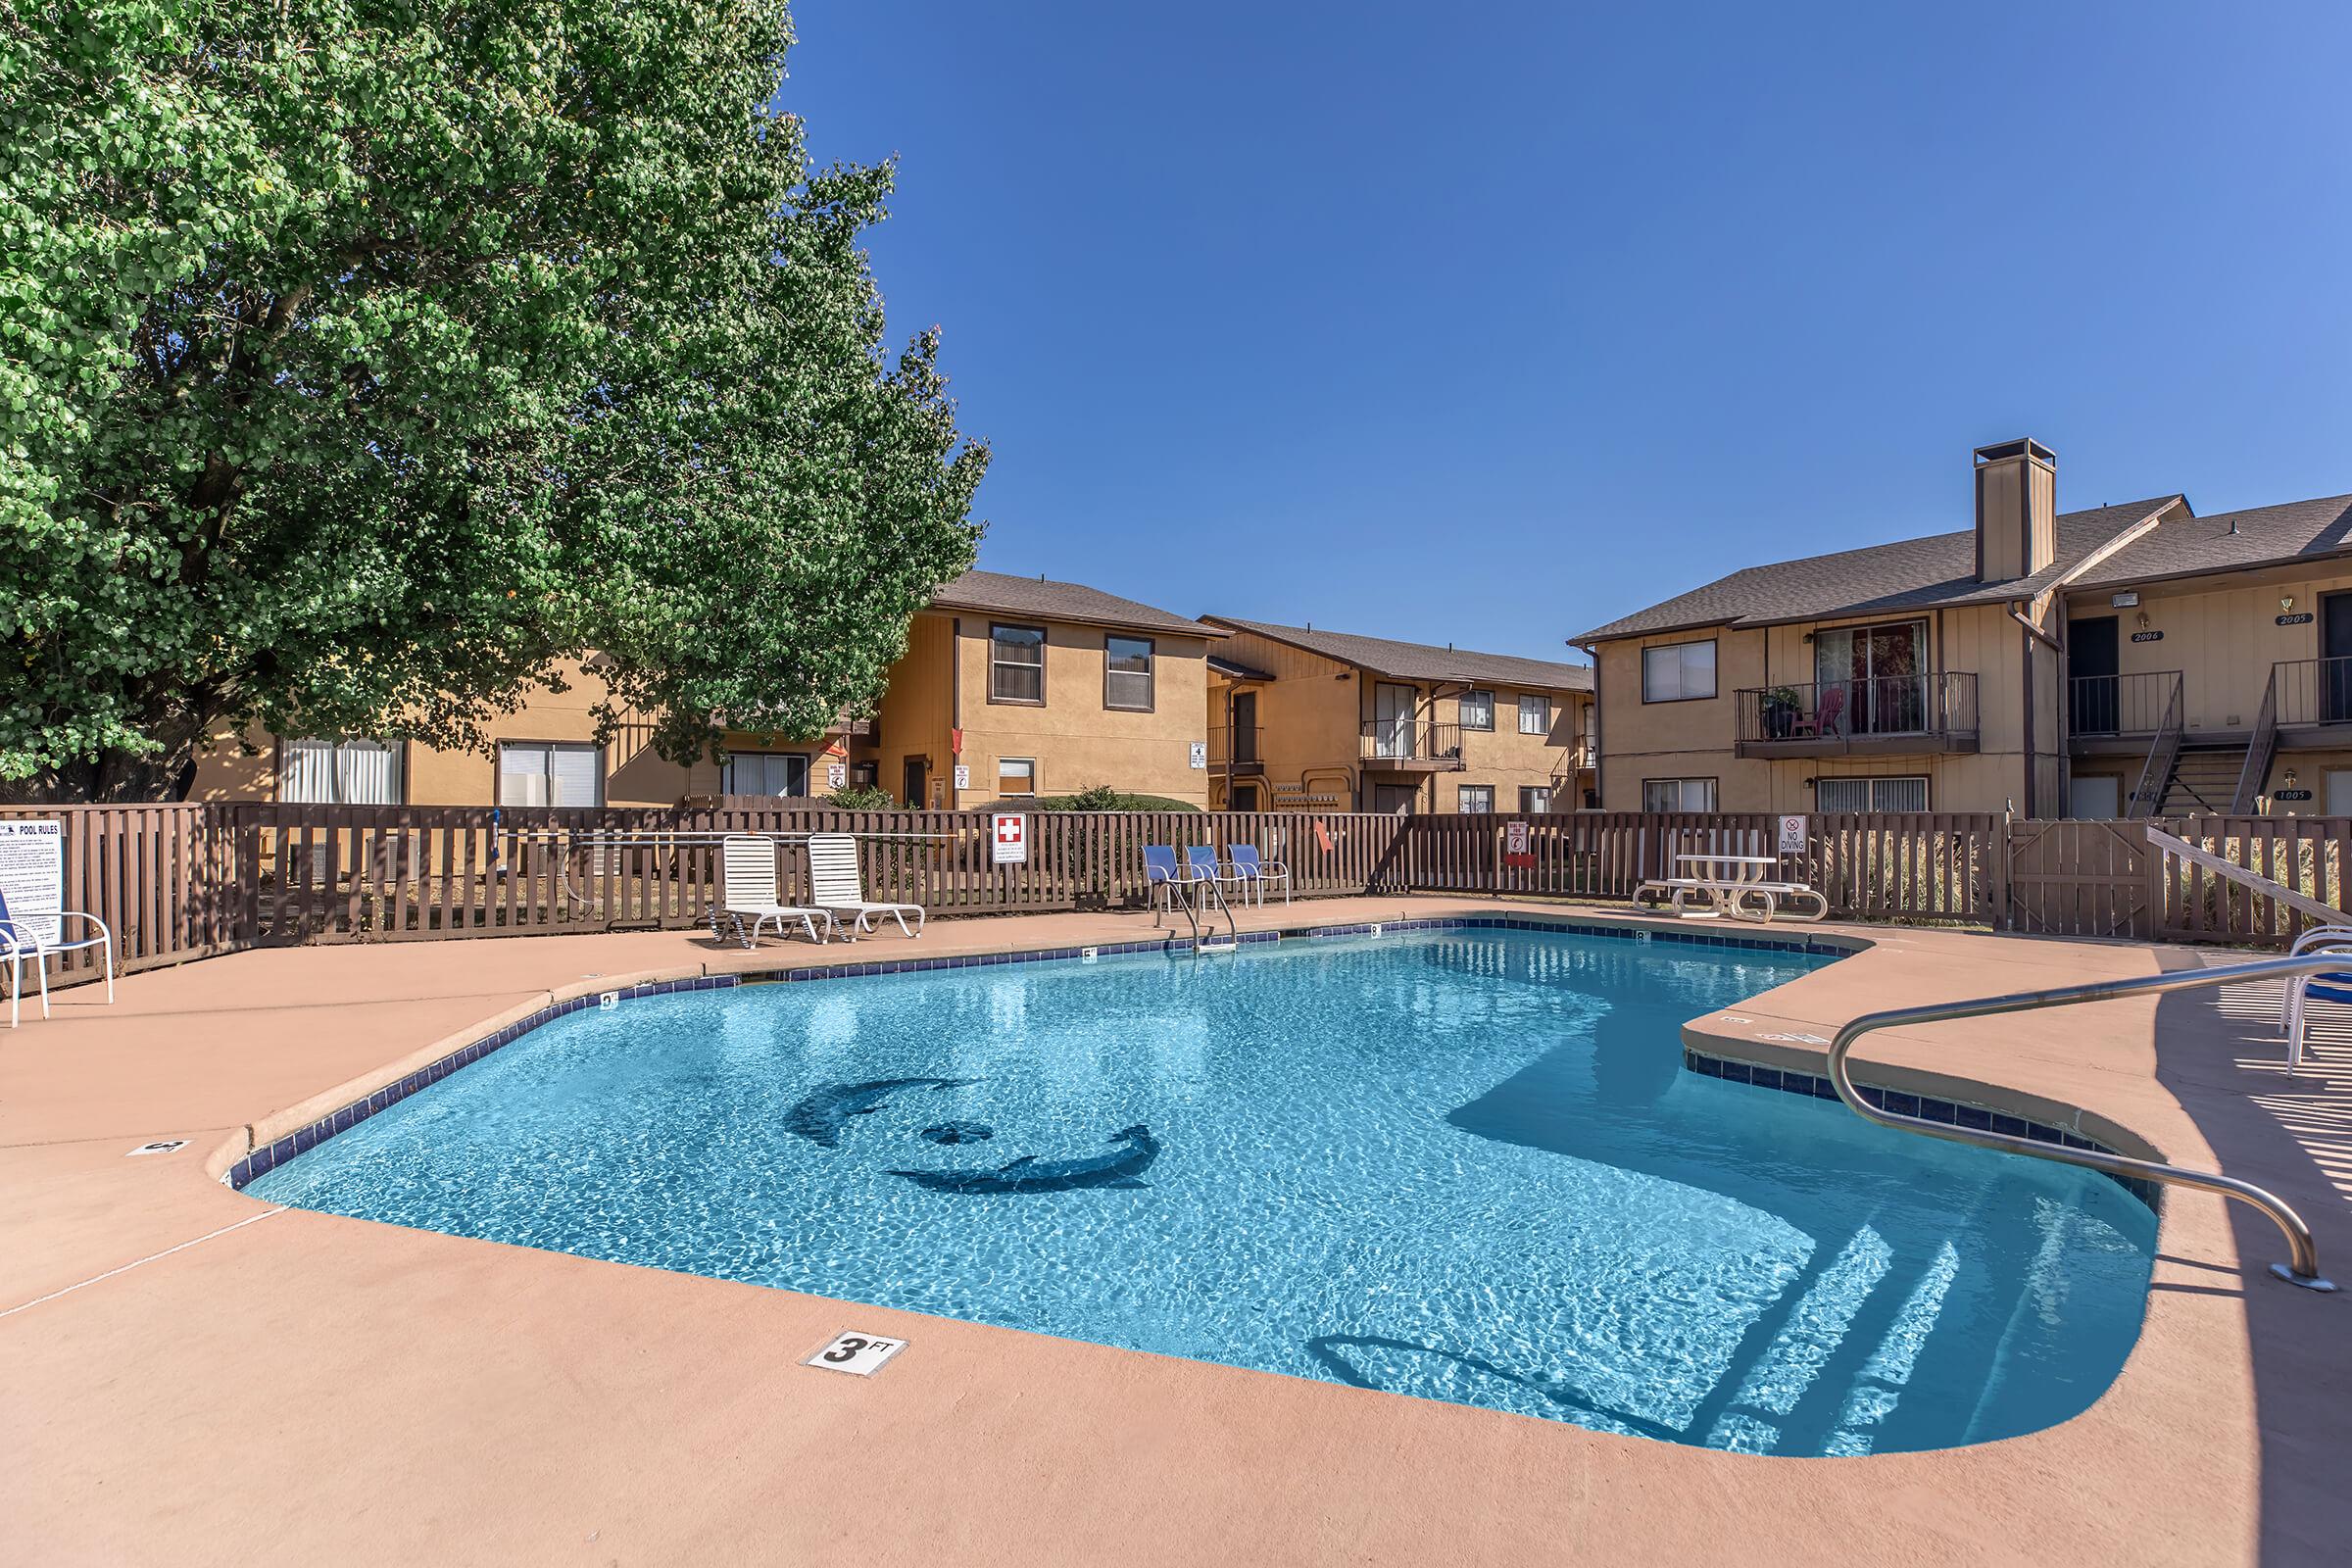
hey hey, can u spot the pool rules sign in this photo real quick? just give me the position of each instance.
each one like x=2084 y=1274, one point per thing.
x=1009 y=838
x=32 y=875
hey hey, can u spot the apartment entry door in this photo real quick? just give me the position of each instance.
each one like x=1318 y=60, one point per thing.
x=1396 y=800
x=2336 y=654
x=1245 y=726
x=914 y=773
x=1392 y=720
x=2091 y=656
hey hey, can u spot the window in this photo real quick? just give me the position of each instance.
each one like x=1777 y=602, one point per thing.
x=2094 y=797
x=866 y=775
x=1535 y=712
x=322 y=772
x=766 y=774
x=1476 y=800
x=1016 y=775
x=1534 y=800
x=1016 y=664
x=1870 y=795
x=1477 y=710
x=1127 y=673
x=1678 y=672
x=1677 y=795
x=550 y=774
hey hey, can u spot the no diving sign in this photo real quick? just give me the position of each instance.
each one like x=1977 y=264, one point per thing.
x=1008 y=837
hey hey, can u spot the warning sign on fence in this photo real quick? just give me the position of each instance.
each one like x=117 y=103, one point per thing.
x=1009 y=838
x=1516 y=848
x=1793 y=835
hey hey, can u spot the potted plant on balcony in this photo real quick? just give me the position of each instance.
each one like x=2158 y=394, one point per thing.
x=1780 y=705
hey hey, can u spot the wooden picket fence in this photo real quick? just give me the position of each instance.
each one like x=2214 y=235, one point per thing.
x=185 y=881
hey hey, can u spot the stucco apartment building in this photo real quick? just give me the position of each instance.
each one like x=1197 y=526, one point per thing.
x=1013 y=687
x=1010 y=687
x=1308 y=720
x=2127 y=660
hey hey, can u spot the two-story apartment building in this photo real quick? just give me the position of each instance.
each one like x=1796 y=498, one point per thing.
x=1309 y=719
x=1010 y=687
x=1016 y=687
x=1987 y=668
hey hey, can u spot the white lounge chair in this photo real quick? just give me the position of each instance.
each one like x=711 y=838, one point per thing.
x=838 y=887
x=23 y=941
x=750 y=890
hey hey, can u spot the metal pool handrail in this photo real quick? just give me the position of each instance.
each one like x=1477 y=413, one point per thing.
x=2305 y=1267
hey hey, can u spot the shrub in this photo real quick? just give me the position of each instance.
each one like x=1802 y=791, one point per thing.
x=1102 y=798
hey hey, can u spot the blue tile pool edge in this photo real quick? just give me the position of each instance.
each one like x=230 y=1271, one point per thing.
x=266 y=1157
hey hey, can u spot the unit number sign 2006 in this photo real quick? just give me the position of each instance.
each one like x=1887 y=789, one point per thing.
x=862 y=1354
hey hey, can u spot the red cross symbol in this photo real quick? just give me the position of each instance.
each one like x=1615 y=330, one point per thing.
x=1008 y=830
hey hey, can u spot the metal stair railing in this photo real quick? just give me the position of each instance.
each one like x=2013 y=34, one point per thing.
x=2304 y=1267
x=2156 y=776
x=2259 y=753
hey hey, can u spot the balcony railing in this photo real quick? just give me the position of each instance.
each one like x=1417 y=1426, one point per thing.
x=1244 y=745
x=2312 y=691
x=2121 y=704
x=1401 y=744
x=1884 y=713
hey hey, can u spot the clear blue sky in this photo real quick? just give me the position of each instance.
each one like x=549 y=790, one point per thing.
x=1488 y=323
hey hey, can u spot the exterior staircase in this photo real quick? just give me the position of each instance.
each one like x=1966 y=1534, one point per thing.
x=2204 y=779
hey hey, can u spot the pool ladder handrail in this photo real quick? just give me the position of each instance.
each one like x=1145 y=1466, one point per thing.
x=1202 y=942
x=2304 y=1270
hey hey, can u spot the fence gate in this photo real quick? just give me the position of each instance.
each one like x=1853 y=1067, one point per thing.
x=2079 y=879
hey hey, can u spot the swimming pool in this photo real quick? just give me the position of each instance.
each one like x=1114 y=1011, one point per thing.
x=1465 y=1164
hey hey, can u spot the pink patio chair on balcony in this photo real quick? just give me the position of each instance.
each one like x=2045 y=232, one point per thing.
x=1825 y=715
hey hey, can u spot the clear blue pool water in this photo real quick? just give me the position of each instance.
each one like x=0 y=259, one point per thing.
x=1464 y=1165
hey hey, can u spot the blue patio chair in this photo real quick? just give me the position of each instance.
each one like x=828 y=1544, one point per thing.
x=2303 y=989
x=1256 y=873
x=23 y=941
x=1202 y=860
x=1163 y=874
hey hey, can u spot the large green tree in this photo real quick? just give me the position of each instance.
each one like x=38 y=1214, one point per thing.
x=359 y=359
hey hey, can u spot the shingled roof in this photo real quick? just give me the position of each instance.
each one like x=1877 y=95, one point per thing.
x=994 y=593
x=2183 y=545
x=1908 y=575
x=1420 y=660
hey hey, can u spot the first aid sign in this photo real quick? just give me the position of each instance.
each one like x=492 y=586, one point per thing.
x=1011 y=838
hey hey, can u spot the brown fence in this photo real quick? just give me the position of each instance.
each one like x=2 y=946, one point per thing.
x=188 y=880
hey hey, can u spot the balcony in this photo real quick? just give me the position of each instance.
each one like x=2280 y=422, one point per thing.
x=1884 y=715
x=2314 y=695
x=1243 y=748
x=1409 y=746
x=2120 y=708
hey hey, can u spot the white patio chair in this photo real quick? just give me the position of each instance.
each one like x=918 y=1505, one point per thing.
x=23 y=941
x=750 y=889
x=2303 y=989
x=839 y=887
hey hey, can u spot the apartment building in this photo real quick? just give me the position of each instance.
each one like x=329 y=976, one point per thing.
x=1018 y=687
x=1302 y=718
x=1010 y=688
x=2123 y=659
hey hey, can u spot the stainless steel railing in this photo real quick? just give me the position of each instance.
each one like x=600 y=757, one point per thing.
x=2303 y=1270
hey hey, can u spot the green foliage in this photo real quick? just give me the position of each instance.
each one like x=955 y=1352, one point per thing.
x=1102 y=798
x=862 y=797
x=359 y=361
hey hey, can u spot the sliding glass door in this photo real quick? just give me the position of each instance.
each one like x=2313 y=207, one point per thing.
x=1878 y=674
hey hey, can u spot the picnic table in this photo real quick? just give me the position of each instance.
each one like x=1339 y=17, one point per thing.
x=1728 y=883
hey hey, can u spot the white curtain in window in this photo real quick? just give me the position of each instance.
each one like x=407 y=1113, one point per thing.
x=534 y=773
x=325 y=772
x=766 y=773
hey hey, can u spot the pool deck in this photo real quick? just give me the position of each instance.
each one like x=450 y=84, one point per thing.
x=190 y=1373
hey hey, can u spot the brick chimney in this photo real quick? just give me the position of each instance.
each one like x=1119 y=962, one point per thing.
x=2016 y=509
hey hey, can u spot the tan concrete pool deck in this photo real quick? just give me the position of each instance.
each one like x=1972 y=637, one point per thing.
x=192 y=1375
